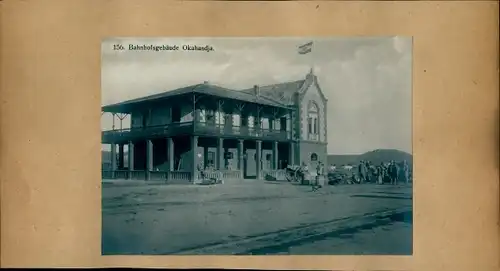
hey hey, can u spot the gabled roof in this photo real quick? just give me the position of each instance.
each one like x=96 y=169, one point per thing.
x=205 y=88
x=283 y=92
x=314 y=80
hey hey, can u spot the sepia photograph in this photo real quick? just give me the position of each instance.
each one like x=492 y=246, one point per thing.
x=257 y=146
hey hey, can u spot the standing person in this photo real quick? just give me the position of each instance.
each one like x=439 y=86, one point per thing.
x=361 y=171
x=373 y=173
x=330 y=175
x=394 y=172
x=305 y=172
x=317 y=185
x=201 y=171
x=406 y=169
x=367 y=172
x=381 y=173
x=322 y=175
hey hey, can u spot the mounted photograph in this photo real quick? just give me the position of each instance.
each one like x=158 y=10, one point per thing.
x=257 y=146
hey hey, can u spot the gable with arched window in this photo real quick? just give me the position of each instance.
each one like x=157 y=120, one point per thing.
x=313 y=121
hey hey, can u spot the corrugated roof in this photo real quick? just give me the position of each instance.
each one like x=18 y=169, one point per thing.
x=281 y=93
x=234 y=94
x=205 y=88
x=161 y=95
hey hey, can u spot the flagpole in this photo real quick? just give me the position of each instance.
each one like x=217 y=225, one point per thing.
x=307 y=49
x=311 y=59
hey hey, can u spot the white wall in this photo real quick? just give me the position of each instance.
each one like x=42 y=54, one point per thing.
x=313 y=94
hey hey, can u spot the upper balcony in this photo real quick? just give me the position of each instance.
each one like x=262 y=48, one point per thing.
x=194 y=128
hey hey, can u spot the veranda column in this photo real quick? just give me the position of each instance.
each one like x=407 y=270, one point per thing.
x=130 y=159
x=194 y=158
x=149 y=158
x=121 y=155
x=240 y=157
x=220 y=154
x=275 y=154
x=113 y=160
x=291 y=157
x=170 y=151
x=259 y=158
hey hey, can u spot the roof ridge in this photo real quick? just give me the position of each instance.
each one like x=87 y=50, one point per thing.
x=272 y=100
x=281 y=83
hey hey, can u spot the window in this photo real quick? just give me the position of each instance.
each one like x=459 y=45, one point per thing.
x=265 y=124
x=268 y=157
x=236 y=120
x=220 y=117
x=313 y=121
x=251 y=121
x=202 y=115
x=314 y=157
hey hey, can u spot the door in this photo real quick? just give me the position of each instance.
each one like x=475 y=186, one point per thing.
x=283 y=124
x=144 y=120
x=250 y=170
x=176 y=114
x=228 y=123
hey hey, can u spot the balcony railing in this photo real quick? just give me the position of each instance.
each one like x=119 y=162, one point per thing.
x=171 y=177
x=198 y=128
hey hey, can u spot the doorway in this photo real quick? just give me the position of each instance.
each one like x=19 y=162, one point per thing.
x=176 y=114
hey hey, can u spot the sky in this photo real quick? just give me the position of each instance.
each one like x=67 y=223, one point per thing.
x=367 y=80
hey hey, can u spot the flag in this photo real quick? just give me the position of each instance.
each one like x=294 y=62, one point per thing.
x=306 y=48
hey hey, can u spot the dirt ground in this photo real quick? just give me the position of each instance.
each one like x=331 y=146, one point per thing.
x=156 y=219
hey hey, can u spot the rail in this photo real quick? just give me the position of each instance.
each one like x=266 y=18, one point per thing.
x=167 y=176
x=199 y=128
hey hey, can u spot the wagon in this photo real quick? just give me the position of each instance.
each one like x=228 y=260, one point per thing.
x=297 y=174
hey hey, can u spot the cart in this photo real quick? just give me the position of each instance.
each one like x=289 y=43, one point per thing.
x=297 y=174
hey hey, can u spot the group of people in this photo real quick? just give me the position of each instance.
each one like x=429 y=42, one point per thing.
x=366 y=172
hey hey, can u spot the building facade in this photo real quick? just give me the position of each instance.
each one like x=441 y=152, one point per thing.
x=249 y=133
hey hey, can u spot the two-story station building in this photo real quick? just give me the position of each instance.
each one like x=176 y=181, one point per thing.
x=249 y=133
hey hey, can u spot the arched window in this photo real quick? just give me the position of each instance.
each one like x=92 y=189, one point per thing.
x=313 y=121
x=314 y=157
